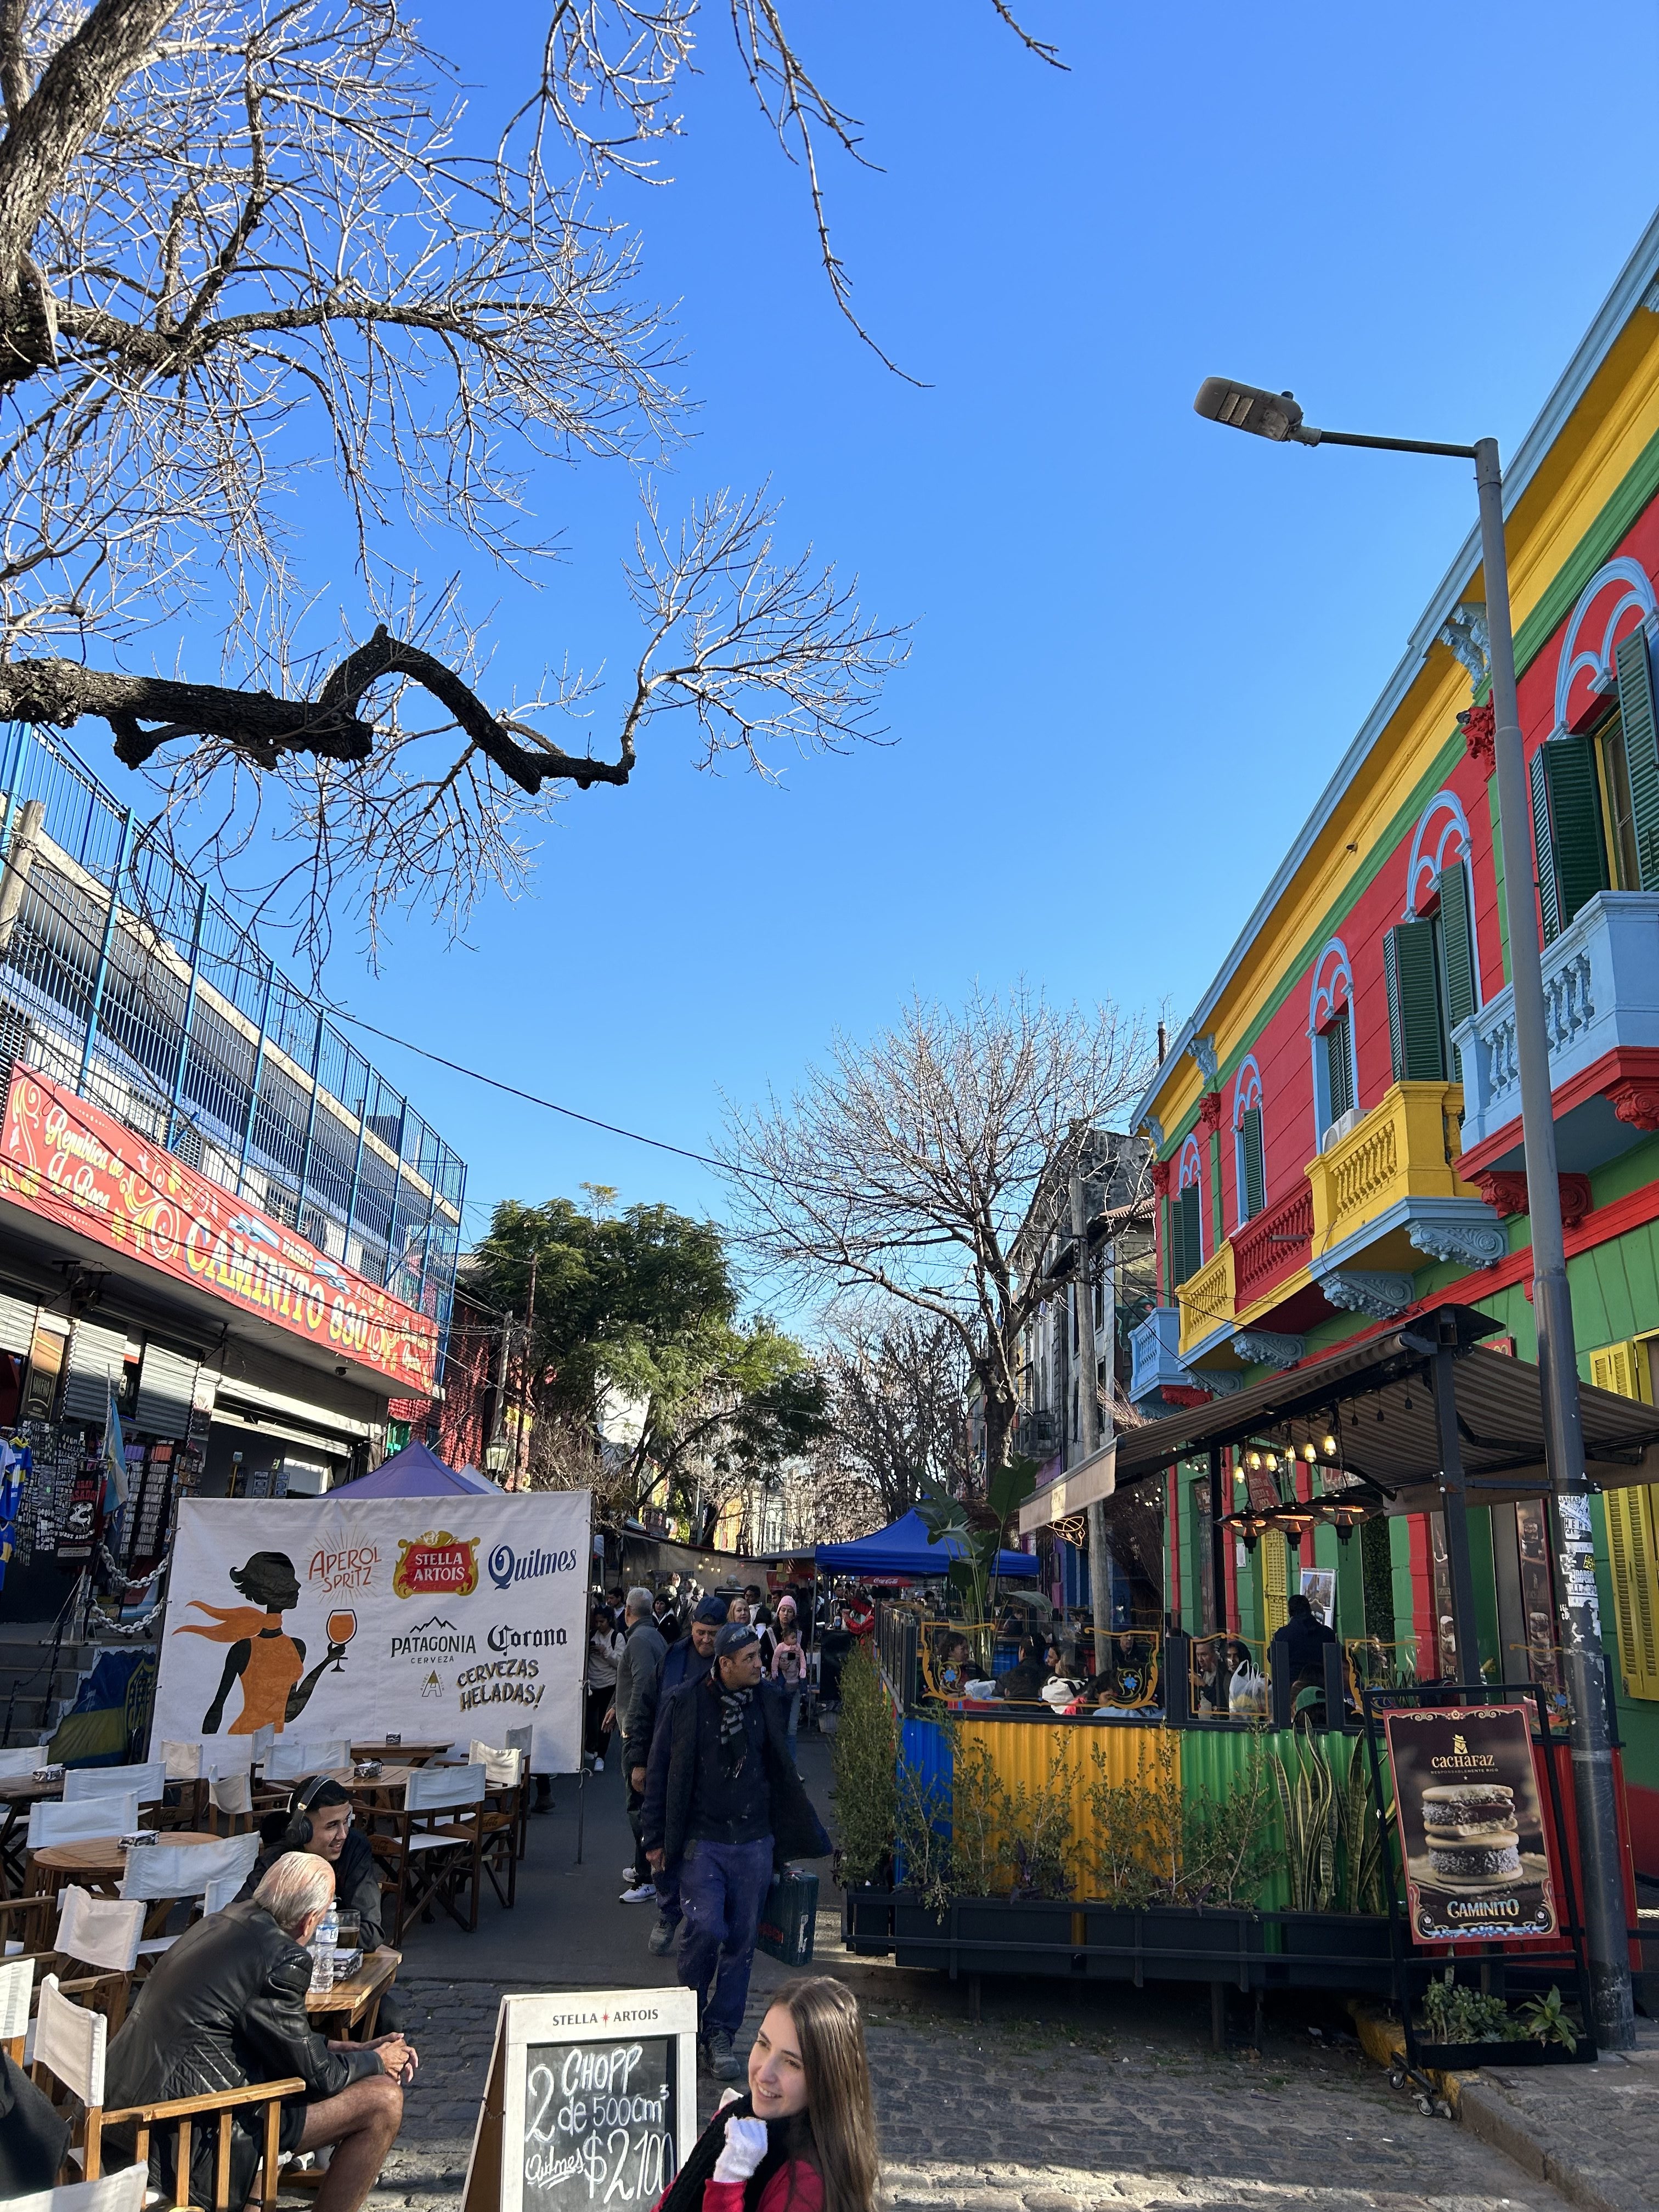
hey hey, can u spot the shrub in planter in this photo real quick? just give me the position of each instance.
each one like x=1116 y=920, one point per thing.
x=865 y=1756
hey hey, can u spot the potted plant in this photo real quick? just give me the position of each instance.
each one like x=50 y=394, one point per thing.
x=1336 y=1931
x=865 y=1756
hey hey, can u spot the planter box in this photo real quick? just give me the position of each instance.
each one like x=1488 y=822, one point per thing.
x=986 y=1935
x=1173 y=1943
x=1347 y=1951
x=1460 y=2057
x=866 y=1921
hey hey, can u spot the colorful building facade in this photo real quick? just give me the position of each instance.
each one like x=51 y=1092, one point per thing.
x=1337 y=1127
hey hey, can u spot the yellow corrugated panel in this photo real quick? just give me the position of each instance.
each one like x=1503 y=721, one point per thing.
x=1275 y=1595
x=1022 y=1752
x=1630 y=1536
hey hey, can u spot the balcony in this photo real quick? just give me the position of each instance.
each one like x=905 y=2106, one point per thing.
x=1154 y=1358
x=1270 y=1249
x=1205 y=1301
x=1601 y=1011
x=1389 y=1195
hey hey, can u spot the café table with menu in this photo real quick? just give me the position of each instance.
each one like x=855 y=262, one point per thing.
x=350 y=2010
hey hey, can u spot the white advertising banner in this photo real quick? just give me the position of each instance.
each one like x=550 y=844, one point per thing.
x=435 y=1619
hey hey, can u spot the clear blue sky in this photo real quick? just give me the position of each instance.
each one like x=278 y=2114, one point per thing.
x=1142 y=643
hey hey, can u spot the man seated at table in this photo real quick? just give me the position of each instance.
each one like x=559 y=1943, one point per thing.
x=319 y=1819
x=1299 y=1645
x=226 y=2005
x=1022 y=1683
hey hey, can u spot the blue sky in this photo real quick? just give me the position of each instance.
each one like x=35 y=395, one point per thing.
x=1142 y=644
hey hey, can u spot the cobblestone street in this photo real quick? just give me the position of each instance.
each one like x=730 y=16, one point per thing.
x=1117 y=2102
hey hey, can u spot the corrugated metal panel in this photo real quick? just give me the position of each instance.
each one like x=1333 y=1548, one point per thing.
x=17 y=1325
x=166 y=1389
x=95 y=1357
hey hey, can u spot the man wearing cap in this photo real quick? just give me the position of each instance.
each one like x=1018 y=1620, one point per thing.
x=730 y=1806
x=687 y=1662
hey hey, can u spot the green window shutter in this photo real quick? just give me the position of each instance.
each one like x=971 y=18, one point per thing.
x=1567 y=795
x=1338 y=1041
x=1641 y=724
x=1457 y=948
x=1546 y=856
x=1254 y=1184
x=1414 y=1036
x=1188 y=1247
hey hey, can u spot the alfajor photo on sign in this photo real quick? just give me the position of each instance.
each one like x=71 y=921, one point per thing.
x=1471 y=1824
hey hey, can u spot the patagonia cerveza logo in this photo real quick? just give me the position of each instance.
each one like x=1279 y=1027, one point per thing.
x=436 y=1564
x=507 y=1565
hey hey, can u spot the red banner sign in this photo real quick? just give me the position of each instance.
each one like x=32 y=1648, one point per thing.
x=70 y=1161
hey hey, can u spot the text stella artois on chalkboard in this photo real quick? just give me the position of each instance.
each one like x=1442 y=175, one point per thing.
x=591 y=2100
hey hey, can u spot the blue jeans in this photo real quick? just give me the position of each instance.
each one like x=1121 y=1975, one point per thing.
x=722 y=1889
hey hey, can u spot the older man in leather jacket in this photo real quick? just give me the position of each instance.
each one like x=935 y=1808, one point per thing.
x=227 y=2005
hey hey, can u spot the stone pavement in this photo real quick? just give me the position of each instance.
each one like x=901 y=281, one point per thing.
x=1594 y=2131
x=1113 y=2100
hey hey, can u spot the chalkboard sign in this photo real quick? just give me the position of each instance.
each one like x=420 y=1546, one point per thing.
x=591 y=2101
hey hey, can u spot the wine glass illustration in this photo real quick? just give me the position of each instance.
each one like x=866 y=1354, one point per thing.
x=342 y=1627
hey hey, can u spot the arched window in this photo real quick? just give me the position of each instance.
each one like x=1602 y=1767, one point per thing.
x=1330 y=1034
x=1187 y=1214
x=1430 y=964
x=1247 y=1140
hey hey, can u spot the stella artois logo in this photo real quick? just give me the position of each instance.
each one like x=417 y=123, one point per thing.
x=437 y=1565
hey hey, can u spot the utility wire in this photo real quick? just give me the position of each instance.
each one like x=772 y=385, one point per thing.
x=612 y=1128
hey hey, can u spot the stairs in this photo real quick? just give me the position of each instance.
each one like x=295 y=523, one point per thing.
x=33 y=1691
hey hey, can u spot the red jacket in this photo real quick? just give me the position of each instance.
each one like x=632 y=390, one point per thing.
x=795 y=2187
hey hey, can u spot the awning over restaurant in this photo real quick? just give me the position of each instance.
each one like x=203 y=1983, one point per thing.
x=1376 y=1398
x=1089 y=1483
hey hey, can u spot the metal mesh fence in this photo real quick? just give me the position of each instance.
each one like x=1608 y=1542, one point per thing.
x=157 y=1004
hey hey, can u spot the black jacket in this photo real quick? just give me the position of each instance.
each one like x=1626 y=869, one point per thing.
x=796 y=1830
x=224 y=2006
x=357 y=1882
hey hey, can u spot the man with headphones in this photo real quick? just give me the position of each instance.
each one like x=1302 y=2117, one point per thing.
x=319 y=1819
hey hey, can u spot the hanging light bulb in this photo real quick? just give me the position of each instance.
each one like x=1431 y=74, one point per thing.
x=1308 y=1452
x=1271 y=1462
x=1253 y=1460
x=1328 y=1447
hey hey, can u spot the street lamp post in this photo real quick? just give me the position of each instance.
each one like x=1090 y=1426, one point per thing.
x=1276 y=415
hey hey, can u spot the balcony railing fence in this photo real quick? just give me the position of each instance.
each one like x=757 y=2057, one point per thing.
x=1272 y=1246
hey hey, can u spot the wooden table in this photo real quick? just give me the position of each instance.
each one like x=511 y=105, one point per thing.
x=354 y=2004
x=98 y=1862
x=407 y=1755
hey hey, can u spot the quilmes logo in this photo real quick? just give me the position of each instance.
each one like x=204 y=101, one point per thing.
x=507 y=1566
x=437 y=1565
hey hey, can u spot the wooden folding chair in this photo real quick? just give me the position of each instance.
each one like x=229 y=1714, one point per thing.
x=165 y=1875
x=69 y=2048
x=502 y=1814
x=437 y=1842
x=520 y=1740
x=149 y=1782
x=16 y=1988
x=101 y=1932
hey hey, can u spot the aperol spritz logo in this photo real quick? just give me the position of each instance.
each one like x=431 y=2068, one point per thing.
x=436 y=1564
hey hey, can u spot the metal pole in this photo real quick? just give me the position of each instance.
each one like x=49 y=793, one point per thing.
x=101 y=975
x=1088 y=1401
x=1444 y=1376
x=186 y=1018
x=1218 y=1504
x=1594 y=1793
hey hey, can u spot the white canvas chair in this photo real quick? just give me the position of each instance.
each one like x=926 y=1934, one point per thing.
x=91 y=1820
x=501 y=1768
x=70 y=2043
x=432 y=1856
x=262 y=1739
x=116 y=2192
x=101 y=1932
x=224 y=1889
x=238 y=1756
x=164 y=1875
x=287 y=1760
x=504 y=1774
x=149 y=1780
x=183 y=1761
x=19 y=1760
x=232 y=1794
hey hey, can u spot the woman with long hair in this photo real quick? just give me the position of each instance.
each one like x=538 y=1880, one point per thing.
x=804 y=2139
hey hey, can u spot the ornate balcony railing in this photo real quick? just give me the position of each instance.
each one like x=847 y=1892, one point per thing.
x=1404 y=1149
x=1272 y=1246
x=1206 y=1300
x=1153 y=1356
x=1601 y=995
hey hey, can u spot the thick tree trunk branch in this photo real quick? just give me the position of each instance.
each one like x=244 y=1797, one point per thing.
x=263 y=726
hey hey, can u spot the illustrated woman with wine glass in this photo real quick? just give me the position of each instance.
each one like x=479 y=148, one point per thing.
x=263 y=1656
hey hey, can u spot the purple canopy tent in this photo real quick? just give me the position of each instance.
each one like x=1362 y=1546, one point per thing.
x=415 y=1472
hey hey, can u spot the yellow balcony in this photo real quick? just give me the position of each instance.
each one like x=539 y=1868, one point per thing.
x=1206 y=1300
x=1403 y=1152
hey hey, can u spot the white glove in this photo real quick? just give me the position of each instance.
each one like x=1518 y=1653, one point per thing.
x=744 y=2148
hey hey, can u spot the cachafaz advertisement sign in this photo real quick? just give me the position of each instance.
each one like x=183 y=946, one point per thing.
x=327 y=1619
x=66 y=1159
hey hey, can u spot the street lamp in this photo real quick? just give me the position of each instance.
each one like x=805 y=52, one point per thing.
x=1276 y=415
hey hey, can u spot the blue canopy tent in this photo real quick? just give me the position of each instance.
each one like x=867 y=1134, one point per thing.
x=415 y=1472
x=906 y=1548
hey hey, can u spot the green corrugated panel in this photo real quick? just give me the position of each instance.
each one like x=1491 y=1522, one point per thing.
x=1211 y=1760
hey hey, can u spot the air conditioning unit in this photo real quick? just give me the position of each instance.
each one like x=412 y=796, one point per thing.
x=1341 y=1126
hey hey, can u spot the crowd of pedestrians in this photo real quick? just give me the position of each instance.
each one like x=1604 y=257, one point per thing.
x=705 y=1709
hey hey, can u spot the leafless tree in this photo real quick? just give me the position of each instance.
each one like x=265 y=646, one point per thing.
x=898 y=1406
x=905 y=1165
x=253 y=248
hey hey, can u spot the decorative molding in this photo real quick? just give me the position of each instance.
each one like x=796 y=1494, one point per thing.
x=1576 y=1199
x=1203 y=1052
x=1209 y=1111
x=1221 y=1382
x=1504 y=1189
x=1476 y=1245
x=1154 y=1129
x=1191 y=1169
x=1480 y=728
x=1332 y=985
x=1263 y=1347
x=1442 y=825
x=1636 y=1102
x=1360 y=1291
x=1596 y=658
x=1160 y=1175
x=1465 y=631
